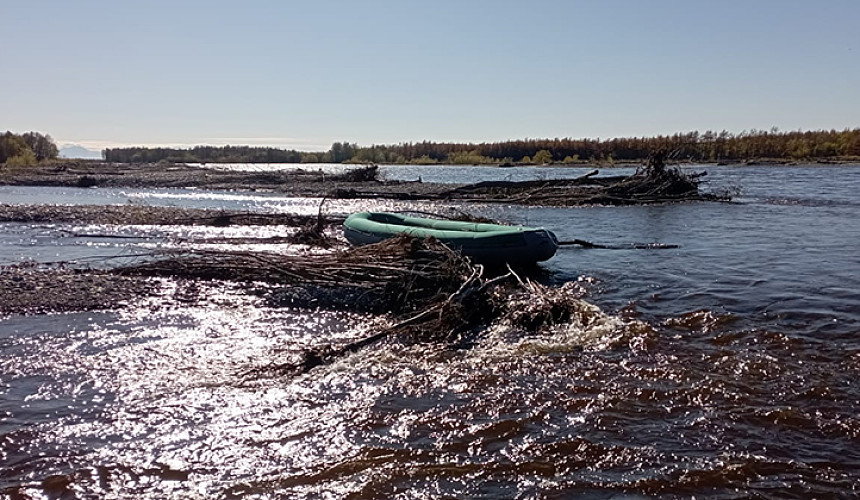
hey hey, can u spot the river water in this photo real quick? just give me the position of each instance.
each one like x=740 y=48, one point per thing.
x=745 y=382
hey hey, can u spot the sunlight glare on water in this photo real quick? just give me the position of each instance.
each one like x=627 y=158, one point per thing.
x=170 y=387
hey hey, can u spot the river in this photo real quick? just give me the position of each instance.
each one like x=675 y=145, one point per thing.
x=745 y=383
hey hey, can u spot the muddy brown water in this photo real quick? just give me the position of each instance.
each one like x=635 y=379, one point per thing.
x=744 y=383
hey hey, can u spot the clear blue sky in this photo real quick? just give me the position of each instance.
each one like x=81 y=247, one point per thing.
x=304 y=74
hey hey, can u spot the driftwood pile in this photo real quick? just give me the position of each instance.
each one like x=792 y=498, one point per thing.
x=429 y=292
x=397 y=275
x=654 y=183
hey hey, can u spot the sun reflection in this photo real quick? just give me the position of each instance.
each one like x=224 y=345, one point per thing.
x=178 y=404
x=156 y=401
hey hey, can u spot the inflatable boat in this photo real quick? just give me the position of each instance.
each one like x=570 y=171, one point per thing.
x=484 y=243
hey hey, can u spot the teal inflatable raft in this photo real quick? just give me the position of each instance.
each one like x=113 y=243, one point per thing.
x=485 y=243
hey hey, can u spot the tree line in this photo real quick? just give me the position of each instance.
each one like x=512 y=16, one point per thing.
x=709 y=146
x=339 y=152
x=26 y=149
x=203 y=154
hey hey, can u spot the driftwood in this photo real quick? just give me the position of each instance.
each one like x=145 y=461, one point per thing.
x=477 y=303
x=519 y=185
x=653 y=184
x=367 y=173
x=430 y=292
x=314 y=233
x=444 y=315
x=398 y=275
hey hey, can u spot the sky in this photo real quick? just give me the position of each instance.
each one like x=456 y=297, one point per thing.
x=304 y=74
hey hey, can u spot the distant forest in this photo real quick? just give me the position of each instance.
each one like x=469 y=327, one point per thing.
x=26 y=149
x=203 y=154
x=692 y=146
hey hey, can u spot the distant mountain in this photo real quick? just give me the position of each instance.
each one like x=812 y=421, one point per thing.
x=77 y=151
